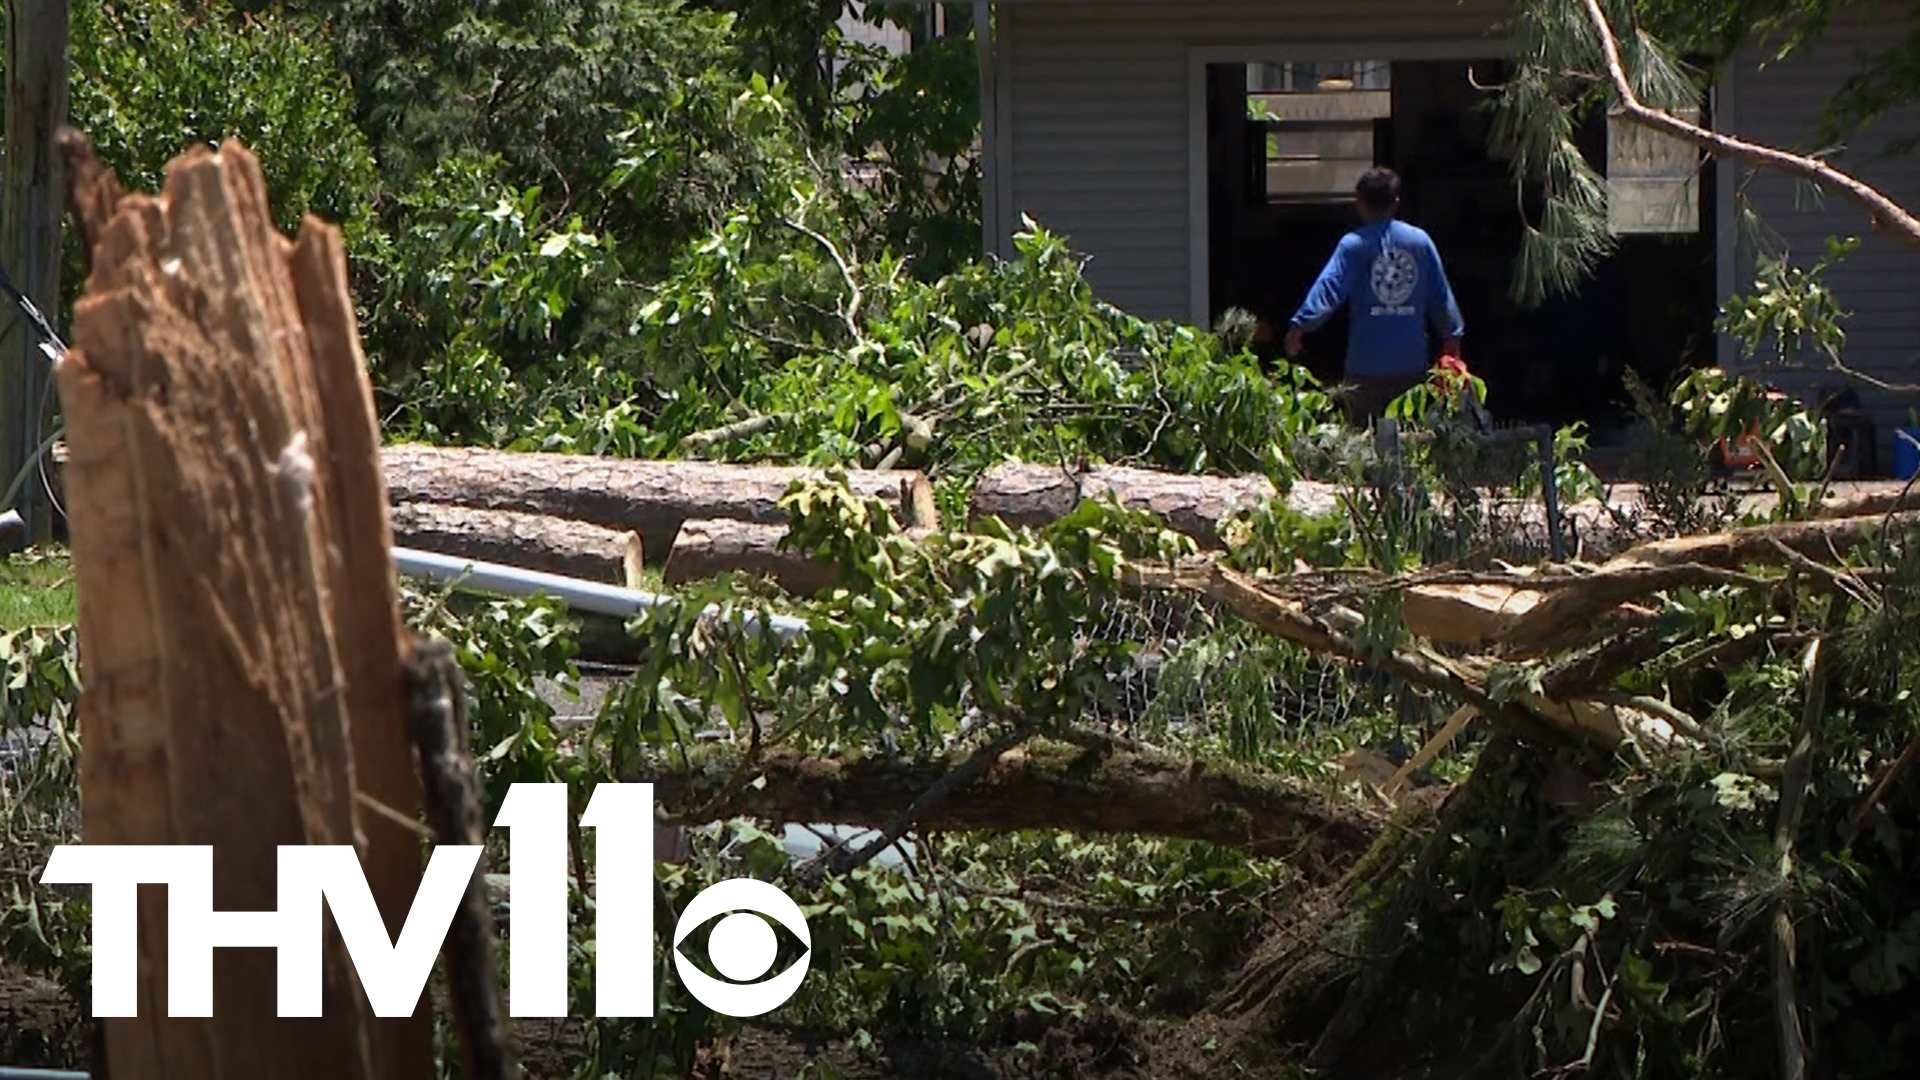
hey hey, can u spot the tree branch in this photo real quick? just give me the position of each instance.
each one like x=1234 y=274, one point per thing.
x=1040 y=785
x=1885 y=214
x=1289 y=619
x=850 y=314
x=738 y=429
x=845 y=861
x=1793 y=800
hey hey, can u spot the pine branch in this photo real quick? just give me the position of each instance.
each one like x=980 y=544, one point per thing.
x=1885 y=214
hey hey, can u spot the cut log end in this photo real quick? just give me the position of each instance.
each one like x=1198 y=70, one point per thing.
x=713 y=547
x=530 y=541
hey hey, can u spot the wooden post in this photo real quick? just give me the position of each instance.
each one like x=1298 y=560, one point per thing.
x=30 y=211
x=240 y=634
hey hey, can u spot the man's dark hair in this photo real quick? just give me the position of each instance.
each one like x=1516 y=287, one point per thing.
x=1378 y=189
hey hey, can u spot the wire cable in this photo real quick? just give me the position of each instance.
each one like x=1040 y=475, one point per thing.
x=54 y=349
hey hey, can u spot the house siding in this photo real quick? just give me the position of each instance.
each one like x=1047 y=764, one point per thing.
x=1099 y=117
x=1780 y=105
x=1098 y=134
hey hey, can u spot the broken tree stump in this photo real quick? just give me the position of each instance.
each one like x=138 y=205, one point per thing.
x=651 y=498
x=530 y=541
x=709 y=548
x=1027 y=495
x=240 y=630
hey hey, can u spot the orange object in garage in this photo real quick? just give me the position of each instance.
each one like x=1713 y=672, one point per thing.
x=1743 y=452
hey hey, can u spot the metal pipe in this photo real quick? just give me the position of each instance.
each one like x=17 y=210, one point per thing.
x=576 y=593
x=21 y=1072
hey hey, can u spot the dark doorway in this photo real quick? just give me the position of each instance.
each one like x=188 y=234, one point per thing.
x=1286 y=141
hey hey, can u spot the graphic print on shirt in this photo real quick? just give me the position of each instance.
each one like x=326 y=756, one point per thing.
x=1395 y=275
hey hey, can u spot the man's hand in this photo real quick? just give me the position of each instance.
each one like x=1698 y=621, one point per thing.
x=1296 y=340
x=1450 y=347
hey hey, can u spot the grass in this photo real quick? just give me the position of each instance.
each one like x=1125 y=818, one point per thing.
x=36 y=589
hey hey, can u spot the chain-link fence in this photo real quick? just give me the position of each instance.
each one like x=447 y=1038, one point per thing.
x=1193 y=669
x=1476 y=495
x=1462 y=498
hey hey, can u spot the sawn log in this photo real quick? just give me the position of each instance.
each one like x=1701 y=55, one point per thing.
x=650 y=498
x=712 y=547
x=1022 y=494
x=530 y=541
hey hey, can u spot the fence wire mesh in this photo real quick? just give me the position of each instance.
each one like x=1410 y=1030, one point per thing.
x=1192 y=668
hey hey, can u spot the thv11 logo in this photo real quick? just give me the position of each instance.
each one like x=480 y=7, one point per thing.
x=742 y=945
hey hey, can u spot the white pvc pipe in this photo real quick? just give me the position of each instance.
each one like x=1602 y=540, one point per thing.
x=576 y=593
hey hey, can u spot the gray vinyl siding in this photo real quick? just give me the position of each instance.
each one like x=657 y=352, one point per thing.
x=1880 y=284
x=1099 y=131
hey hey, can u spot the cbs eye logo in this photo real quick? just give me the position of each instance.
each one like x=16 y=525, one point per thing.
x=742 y=946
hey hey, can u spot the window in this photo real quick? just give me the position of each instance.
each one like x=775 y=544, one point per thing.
x=1653 y=179
x=1318 y=120
x=1318 y=76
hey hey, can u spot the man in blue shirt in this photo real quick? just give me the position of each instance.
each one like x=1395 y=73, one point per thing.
x=1389 y=274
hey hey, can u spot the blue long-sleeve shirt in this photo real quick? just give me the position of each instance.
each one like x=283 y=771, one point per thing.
x=1391 y=273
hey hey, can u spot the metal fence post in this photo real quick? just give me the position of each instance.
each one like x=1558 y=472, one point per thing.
x=1550 y=493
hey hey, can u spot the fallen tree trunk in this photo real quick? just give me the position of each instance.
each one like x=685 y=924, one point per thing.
x=1028 y=495
x=530 y=541
x=1041 y=786
x=709 y=548
x=650 y=498
x=1868 y=503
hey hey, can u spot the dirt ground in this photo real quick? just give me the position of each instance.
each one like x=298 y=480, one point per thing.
x=39 y=1026
x=1236 y=1036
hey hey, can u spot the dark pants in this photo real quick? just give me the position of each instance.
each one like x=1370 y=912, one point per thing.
x=1369 y=395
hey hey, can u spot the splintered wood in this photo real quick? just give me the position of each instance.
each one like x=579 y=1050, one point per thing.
x=239 y=624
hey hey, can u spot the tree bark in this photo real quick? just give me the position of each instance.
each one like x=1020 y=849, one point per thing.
x=1525 y=613
x=651 y=498
x=38 y=36
x=1026 y=495
x=239 y=619
x=532 y=541
x=1782 y=944
x=1866 y=504
x=712 y=547
x=1042 y=786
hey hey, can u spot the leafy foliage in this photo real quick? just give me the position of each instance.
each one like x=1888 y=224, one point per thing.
x=1715 y=405
x=39 y=787
x=1560 y=79
x=153 y=77
x=1885 y=82
x=847 y=359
